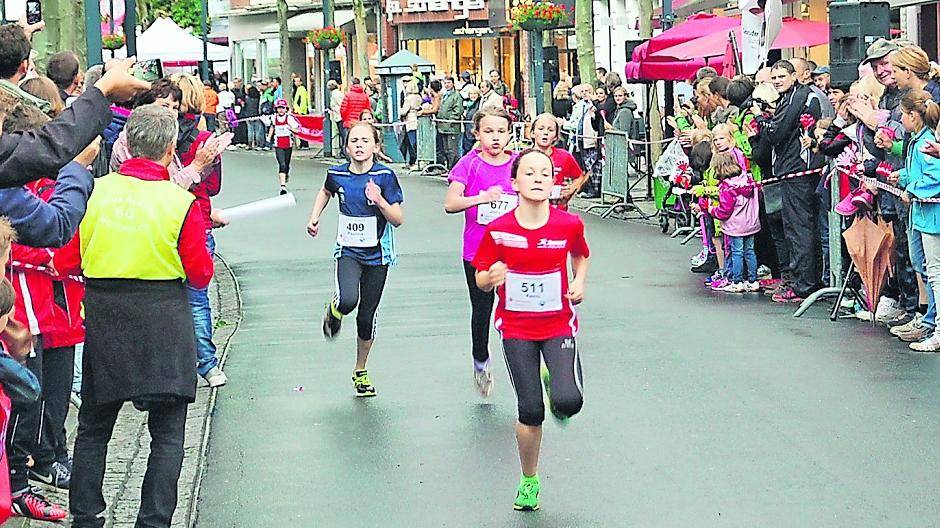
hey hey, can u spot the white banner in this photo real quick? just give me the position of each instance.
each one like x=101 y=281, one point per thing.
x=760 y=25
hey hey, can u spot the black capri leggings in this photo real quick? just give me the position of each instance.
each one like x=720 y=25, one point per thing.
x=564 y=365
x=283 y=159
x=481 y=303
x=359 y=284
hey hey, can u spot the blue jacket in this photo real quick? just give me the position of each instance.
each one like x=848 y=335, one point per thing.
x=52 y=223
x=18 y=382
x=921 y=178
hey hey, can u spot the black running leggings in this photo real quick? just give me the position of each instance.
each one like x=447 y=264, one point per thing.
x=358 y=284
x=283 y=159
x=481 y=303
x=564 y=365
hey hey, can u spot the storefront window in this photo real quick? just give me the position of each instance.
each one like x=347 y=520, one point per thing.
x=274 y=53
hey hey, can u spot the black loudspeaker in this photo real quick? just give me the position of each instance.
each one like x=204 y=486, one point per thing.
x=550 y=65
x=853 y=26
x=631 y=45
x=336 y=71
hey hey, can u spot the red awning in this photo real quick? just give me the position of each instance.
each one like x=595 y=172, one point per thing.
x=646 y=66
x=794 y=33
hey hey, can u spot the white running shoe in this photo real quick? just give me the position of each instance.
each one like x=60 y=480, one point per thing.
x=483 y=379
x=930 y=344
x=887 y=310
x=752 y=287
x=216 y=378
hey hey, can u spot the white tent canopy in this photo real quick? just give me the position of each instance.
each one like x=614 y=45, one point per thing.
x=166 y=41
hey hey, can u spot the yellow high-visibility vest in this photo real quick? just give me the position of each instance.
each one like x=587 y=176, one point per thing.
x=131 y=229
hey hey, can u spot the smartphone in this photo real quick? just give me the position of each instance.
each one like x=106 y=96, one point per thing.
x=33 y=11
x=149 y=70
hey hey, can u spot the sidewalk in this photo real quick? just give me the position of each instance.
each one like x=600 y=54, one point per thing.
x=129 y=447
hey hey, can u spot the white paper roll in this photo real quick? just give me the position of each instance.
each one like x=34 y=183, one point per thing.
x=268 y=205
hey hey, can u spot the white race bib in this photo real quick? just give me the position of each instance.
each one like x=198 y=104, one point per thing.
x=533 y=293
x=488 y=212
x=556 y=192
x=357 y=231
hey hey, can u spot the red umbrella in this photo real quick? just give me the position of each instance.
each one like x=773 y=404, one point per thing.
x=793 y=34
x=697 y=25
x=647 y=67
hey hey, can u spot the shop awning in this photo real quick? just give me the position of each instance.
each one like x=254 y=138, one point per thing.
x=311 y=20
x=400 y=63
x=794 y=33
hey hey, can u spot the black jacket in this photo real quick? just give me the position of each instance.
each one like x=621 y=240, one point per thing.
x=784 y=130
x=27 y=156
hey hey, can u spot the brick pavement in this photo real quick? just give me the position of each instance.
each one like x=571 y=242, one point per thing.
x=129 y=447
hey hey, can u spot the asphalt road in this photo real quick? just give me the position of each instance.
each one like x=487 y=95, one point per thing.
x=701 y=409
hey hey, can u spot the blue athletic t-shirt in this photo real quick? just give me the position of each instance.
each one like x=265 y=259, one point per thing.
x=350 y=189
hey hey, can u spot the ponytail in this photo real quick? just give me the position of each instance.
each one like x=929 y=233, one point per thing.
x=931 y=114
x=921 y=102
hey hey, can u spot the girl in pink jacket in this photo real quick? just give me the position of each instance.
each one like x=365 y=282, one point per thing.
x=737 y=209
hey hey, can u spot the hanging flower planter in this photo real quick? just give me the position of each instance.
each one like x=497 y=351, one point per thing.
x=113 y=41
x=538 y=16
x=326 y=38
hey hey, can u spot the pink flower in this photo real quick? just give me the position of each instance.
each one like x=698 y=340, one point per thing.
x=884 y=169
x=807 y=121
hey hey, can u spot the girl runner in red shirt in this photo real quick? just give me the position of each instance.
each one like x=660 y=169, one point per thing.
x=283 y=132
x=525 y=255
x=568 y=174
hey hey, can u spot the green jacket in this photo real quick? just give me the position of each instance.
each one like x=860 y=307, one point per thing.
x=451 y=109
x=743 y=120
x=301 y=100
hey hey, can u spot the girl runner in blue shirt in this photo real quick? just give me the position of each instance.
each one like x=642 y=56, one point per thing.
x=369 y=210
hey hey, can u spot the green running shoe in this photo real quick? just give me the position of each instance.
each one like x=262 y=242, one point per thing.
x=363 y=384
x=527 y=496
x=547 y=383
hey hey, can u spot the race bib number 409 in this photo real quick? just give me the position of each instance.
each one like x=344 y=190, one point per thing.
x=533 y=293
x=488 y=212
x=357 y=231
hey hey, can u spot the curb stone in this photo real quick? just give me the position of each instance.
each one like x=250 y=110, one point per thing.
x=129 y=446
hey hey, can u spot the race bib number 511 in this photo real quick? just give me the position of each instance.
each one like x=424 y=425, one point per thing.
x=357 y=231
x=488 y=212
x=533 y=293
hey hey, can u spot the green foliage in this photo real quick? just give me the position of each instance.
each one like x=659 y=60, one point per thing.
x=185 y=13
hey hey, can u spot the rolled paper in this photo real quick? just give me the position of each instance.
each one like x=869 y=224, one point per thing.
x=268 y=205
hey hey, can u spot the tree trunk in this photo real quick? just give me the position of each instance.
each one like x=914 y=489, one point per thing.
x=655 y=116
x=286 y=81
x=584 y=34
x=362 y=38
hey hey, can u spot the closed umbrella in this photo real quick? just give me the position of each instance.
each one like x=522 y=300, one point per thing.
x=871 y=246
x=793 y=34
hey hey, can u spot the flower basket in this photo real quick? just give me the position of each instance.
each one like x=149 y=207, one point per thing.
x=113 y=41
x=538 y=16
x=326 y=38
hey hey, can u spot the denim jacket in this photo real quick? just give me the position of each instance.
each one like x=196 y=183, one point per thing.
x=18 y=382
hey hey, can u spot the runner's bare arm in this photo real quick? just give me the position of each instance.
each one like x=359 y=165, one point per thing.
x=456 y=202
x=579 y=266
x=323 y=198
x=392 y=212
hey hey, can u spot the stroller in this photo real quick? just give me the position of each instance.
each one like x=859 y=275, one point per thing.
x=673 y=199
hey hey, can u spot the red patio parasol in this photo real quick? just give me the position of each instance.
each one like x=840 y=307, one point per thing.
x=793 y=34
x=645 y=66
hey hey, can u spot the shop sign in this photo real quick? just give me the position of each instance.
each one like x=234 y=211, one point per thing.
x=460 y=8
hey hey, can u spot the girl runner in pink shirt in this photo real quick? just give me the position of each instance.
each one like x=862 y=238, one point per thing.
x=480 y=188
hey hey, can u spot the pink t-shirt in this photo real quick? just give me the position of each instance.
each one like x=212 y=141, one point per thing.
x=478 y=176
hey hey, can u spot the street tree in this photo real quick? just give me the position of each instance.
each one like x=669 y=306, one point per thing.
x=362 y=38
x=655 y=116
x=584 y=34
x=287 y=84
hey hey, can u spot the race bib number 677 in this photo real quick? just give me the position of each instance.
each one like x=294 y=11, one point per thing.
x=488 y=212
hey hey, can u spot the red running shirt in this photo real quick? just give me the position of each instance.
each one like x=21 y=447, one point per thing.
x=566 y=169
x=531 y=304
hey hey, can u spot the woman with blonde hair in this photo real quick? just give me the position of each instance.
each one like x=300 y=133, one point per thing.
x=561 y=100
x=408 y=113
x=914 y=71
x=585 y=128
x=194 y=98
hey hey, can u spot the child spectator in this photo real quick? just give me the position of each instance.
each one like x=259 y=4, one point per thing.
x=737 y=209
